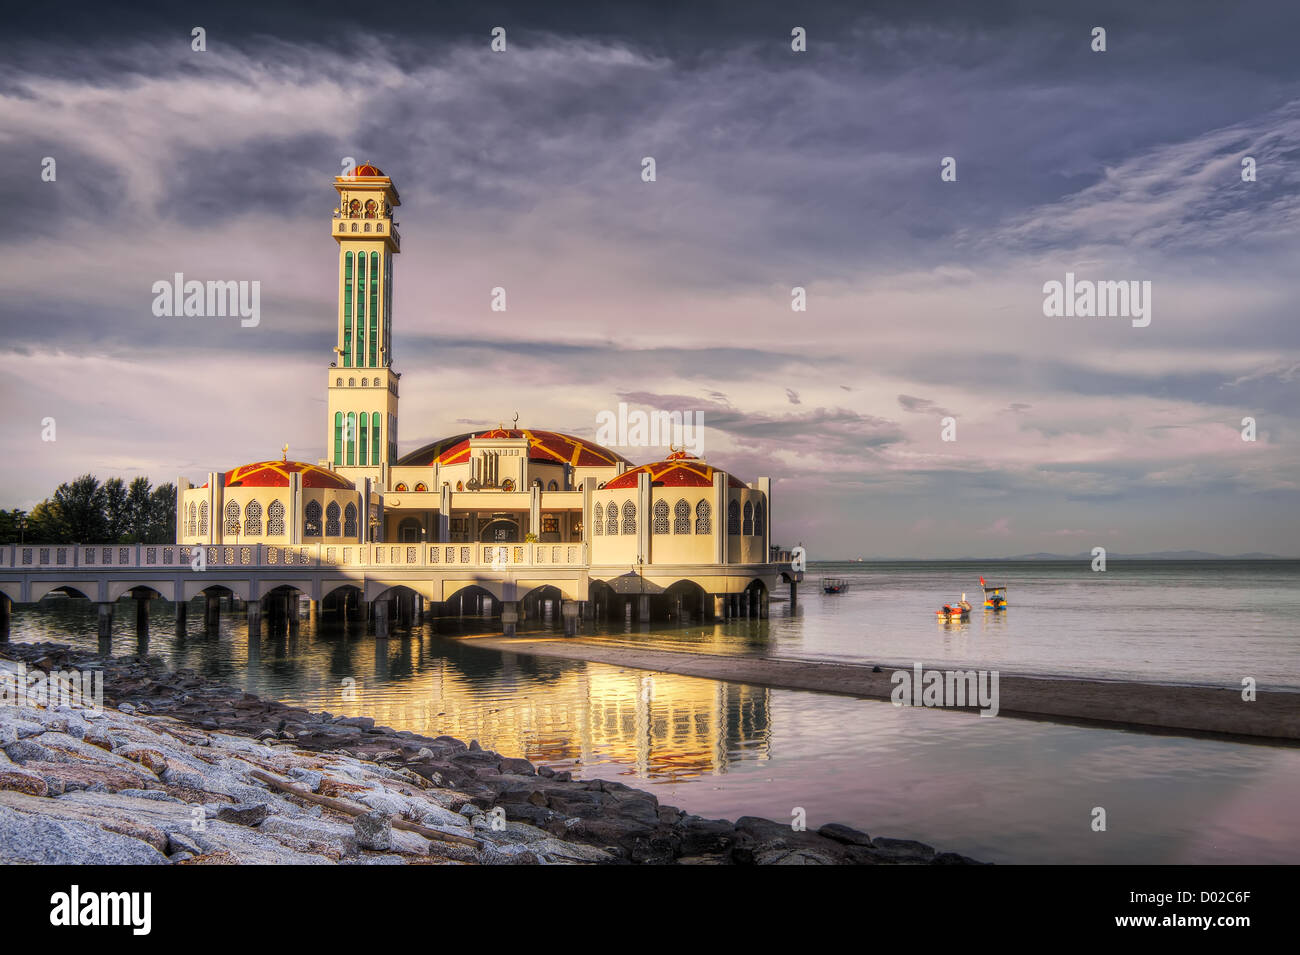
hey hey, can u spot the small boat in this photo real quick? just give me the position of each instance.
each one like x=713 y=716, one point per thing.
x=994 y=597
x=834 y=585
x=957 y=611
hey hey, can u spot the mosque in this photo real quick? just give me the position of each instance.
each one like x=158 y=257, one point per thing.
x=680 y=524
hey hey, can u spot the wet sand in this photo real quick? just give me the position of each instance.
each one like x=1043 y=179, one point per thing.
x=1273 y=715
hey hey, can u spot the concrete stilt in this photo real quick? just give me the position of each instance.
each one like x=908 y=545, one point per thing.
x=419 y=610
x=254 y=618
x=570 y=610
x=381 y=619
x=141 y=615
x=5 y=615
x=643 y=608
x=794 y=592
x=719 y=607
x=105 y=621
x=182 y=609
x=509 y=617
x=211 y=610
x=763 y=605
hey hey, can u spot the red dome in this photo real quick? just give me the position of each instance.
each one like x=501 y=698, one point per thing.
x=366 y=169
x=679 y=470
x=550 y=447
x=276 y=474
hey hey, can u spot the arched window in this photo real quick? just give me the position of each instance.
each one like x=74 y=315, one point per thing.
x=703 y=518
x=365 y=382
x=347 y=310
x=598 y=522
x=193 y=521
x=311 y=519
x=232 y=518
x=354 y=227
x=350 y=521
x=338 y=437
x=629 y=517
x=552 y=486
x=401 y=486
x=374 y=310
x=733 y=518
x=203 y=518
x=760 y=519
x=749 y=519
x=352 y=382
x=338 y=382
x=508 y=484
x=275 y=519
x=681 y=517
x=332 y=519
x=611 y=521
x=661 y=516
x=253 y=519
x=422 y=486
x=374 y=437
x=352 y=437
x=365 y=433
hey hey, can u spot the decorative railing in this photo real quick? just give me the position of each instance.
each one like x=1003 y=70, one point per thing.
x=26 y=557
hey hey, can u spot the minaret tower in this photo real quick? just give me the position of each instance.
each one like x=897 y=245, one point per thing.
x=361 y=439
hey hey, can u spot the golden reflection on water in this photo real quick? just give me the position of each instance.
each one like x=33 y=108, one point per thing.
x=661 y=725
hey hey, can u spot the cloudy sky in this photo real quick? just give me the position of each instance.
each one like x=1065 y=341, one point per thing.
x=775 y=169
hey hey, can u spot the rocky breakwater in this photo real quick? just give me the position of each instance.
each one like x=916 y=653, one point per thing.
x=176 y=770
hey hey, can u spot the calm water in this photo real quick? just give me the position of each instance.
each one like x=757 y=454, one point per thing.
x=1002 y=789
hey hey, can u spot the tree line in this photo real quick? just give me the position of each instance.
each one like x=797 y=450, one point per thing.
x=86 y=511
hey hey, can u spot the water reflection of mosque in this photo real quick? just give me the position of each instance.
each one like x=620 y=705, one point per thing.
x=559 y=713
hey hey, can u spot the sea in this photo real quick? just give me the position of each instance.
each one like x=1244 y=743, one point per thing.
x=1002 y=790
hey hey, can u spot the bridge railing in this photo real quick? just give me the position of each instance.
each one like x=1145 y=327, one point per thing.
x=61 y=557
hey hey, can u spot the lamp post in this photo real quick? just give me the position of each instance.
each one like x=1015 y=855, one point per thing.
x=22 y=529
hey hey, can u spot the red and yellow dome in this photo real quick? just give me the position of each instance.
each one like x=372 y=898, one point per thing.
x=366 y=169
x=550 y=447
x=678 y=470
x=276 y=474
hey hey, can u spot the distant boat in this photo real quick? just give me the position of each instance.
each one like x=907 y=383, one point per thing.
x=994 y=597
x=834 y=585
x=957 y=611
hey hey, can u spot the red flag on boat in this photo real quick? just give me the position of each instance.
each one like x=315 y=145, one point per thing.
x=981 y=581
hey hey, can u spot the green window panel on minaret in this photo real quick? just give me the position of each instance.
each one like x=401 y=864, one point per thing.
x=374 y=437
x=347 y=310
x=352 y=438
x=388 y=308
x=374 y=310
x=361 y=310
x=338 y=437
x=365 y=431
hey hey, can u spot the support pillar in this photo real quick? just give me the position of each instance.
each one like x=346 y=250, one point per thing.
x=509 y=617
x=181 y=612
x=794 y=593
x=419 y=610
x=254 y=618
x=763 y=605
x=570 y=611
x=105 y=621
x=643 y=608
x=211 y=610
x=5 y=614
x=381 y=619
x=719 y=607
x=141 y=615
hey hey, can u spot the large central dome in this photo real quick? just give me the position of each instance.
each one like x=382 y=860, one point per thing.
x=550 y=447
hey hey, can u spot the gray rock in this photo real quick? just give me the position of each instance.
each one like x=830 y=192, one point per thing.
x=902 y=850
x=519 y=767
x=852 y=837
x=35 y=840
x=374 y=831
x=243 y=814
x=360 y=722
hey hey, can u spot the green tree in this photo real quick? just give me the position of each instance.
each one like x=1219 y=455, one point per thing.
x=117 y=515
x=45 y=524
x=80 y=507
x=161 y=528
x=140 y=507
x=9 y=532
